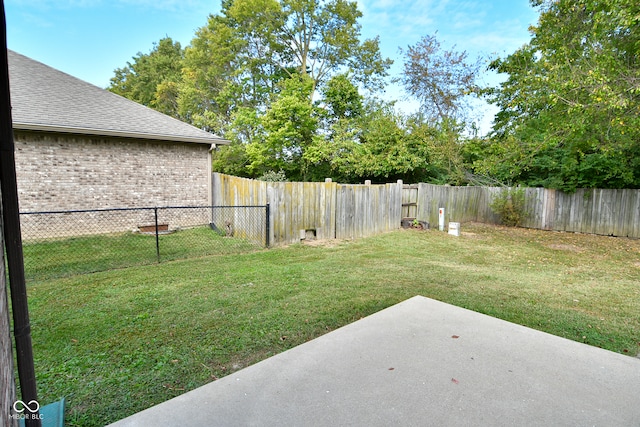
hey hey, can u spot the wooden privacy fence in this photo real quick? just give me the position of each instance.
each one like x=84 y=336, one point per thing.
x=324 y=210
x=461 y=204
x=595 y=211
x=328 y=210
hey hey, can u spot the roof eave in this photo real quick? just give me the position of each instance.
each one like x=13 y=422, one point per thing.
x=122 y=134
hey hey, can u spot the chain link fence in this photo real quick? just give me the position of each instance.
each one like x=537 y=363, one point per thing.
x=64 y=243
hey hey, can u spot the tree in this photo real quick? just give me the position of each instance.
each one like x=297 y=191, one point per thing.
x=152 y=79
x=246 y=72
x=440 y=79
x=231 y=159
x=290 y=125
x=342 y=99
x=379 y=144
x=212 y=86
x=391 y=147
x=320 y=38
x=283 y=80
x=242 y=55
x=569 y=109
x=446 y=146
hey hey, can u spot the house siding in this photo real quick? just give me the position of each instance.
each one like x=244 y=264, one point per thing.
x=69 y=172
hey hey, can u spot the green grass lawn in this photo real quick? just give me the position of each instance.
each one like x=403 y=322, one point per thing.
x=116 y=342
x=50 y=259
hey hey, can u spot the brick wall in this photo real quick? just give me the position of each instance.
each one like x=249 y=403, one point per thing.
x=67 y=172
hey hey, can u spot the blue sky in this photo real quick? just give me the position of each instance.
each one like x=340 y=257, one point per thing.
x=89 y=39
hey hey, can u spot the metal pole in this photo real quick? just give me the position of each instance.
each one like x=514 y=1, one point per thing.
x=267 y=225
x=155 y=212
x=13 y=238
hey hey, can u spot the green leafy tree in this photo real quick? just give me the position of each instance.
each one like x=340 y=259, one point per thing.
x=273 y=176
x=321 y=38
x=379 y=144
x=390 y=148
x=446 y=145
x=342 y=98
x=231 y=159
x=290 y=125
x=570 y=107
x=153 y=79
x=440 y=79
x=211 y=89
x=243 y=54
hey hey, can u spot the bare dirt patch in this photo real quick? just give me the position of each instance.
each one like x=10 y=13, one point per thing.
x=469 y=235
x=322 y=243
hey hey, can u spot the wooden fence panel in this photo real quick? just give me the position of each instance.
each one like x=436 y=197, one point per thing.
x=461 y=204
x=410 y=201
x=349 y=211
x=277 y=221
x=344 y=212
x=534 y=208
x=233 y=191
x=634 y=213
x=594 y=211
x=393 y=215
x=327 y=209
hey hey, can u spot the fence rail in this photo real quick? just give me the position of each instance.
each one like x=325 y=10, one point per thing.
x=61 y=243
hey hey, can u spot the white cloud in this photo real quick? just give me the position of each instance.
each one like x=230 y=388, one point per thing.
x=164 y=5
x=169 y=5
x=392 y=21
x=52 y=4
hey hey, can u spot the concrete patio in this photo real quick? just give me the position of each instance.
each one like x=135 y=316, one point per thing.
x=419 y=363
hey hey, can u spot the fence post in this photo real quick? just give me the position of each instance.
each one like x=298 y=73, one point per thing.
x=155 y=212
x=267 y=225
x=13 y=240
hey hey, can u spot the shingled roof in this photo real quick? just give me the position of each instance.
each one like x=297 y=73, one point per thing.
x=46 y=99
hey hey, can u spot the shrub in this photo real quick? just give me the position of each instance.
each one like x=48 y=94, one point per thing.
x=272 y=176
x=509 y=206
